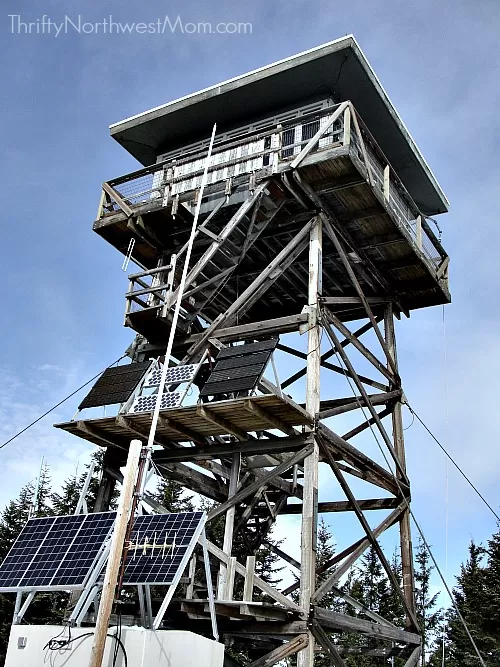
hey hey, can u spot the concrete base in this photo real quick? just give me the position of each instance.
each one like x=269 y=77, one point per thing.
x=145 y=648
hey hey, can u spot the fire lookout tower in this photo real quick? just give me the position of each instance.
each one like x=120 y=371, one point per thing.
x=313 y=233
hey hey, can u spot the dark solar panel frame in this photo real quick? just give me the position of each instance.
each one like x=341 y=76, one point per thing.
x=115 y=385
x=60 y=553
x=239 y=368
x=158 y=567
x=55 y=553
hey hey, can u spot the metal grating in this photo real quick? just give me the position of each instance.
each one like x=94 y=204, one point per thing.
x=58 y=553
x=115 y=385
x=239 y=368
x=175 y=374
x=170 y=399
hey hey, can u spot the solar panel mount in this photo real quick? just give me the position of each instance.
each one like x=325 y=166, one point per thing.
x=61 y=552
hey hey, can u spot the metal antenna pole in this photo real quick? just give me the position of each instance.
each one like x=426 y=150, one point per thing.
x=115 y=553
x=175 y=317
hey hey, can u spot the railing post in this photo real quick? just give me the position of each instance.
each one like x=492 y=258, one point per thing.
x=347 y=127
x=418 y=232
x=387 y=182
x=249 y=579
x=101 y=205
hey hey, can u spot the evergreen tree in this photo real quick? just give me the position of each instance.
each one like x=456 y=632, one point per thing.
x=491 y=624
x=172 y=496
x=470 y=595
x=428 y=616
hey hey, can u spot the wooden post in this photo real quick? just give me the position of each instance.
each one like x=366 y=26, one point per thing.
x=399 y=446
x=305 y=657
x=229 y=524
x=387 y=174
x=347 y=126
x=115 y=553
x=418 y=231
x=249 y=579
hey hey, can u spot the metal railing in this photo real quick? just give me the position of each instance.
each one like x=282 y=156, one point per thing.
x=150 y=289
x=402 y=206
x=268 y=151
x=246 y=155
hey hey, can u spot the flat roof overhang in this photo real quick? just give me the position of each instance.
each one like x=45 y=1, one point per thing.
x=339 y=65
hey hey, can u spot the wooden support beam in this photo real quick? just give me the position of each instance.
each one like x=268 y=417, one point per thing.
x=355 y=551
x=336 y=344
x=366 y=527
x=363 y=474
x=345 y=506
x=357 y=459
x=327 y=644
x=309 y=525
x=195 y=480
x=356 y=402
x=247 y=447
x=414 y=658
x=98 y=434
x=282 y=652
x=118 y=199
x=221 y=422
x=253 y=292
x=129 y=426
x=329 y=564
x=317 y=136
x=261 y=481
x=258 y=582
x=356 y=604
x=184 y=432
x=347 y=265
x=271 y=419
x=249 y=579
x=282 y=554
x=336 y=621
x=329 y=353
x=280 y=325
x=333 y=319
x=354 y=300
x=225 y=585
x=399 y=446
x=366 y=424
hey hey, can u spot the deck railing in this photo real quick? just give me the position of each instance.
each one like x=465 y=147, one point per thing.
x=270 y=151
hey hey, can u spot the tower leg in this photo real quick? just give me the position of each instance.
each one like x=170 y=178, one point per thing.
x=399 y=446
x=112 y=461
x=305 y=658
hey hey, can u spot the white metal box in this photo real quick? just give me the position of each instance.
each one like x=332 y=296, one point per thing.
x=145 y=648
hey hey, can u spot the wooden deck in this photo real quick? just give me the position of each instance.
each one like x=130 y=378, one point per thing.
x=384 y=245
x=236 y=417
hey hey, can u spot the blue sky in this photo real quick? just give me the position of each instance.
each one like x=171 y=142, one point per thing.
x=63 y=287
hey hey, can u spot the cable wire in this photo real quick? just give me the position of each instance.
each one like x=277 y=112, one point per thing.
x=55 y=644
x=454 y=463
x=60 y=403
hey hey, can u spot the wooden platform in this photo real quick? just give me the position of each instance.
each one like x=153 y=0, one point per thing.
x=235 y=417
x=383 y=244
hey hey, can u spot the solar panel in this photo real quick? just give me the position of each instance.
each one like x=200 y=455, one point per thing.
x=55 y=552
x=58 y=553
x=175 y=374
x=115 y=385
x=239 y=368
x=157 y=546
x=170 y=399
